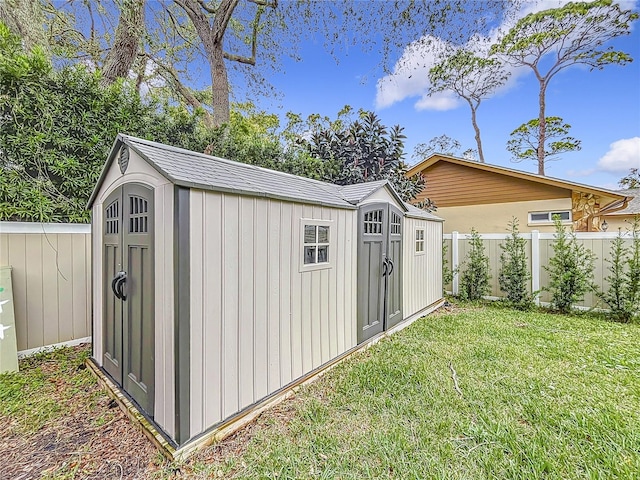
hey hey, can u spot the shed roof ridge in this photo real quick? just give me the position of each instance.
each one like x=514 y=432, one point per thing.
x=186 y=151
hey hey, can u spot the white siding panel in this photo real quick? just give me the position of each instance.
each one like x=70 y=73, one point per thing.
x=274 y=332
x=164 y=408
x=213 y=316
x=197 y=213
x=422 y=274
x=230 y=222
x=260 y=315
x=246 y=300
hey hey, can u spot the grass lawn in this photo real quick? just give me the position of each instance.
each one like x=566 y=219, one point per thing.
x=542 y=396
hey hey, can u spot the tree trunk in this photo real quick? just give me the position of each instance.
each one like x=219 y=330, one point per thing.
x=542 y=127
x=219 y=85
x=125 y=47
x=26 y=19
x=477 y=130
x=212 y=36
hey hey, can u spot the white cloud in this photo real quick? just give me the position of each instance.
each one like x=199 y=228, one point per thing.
x=410 y=76
x=622 y=155
x=438 y=101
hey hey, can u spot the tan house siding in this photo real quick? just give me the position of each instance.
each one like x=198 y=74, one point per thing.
x=450 y=185
x=495 y=217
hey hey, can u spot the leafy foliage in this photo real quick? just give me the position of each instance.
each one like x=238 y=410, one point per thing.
x=524 y=141
x=57 y=128
x=551 y=40
x=447 y=272
x=363 y=151
x=475 y=276
x=623 y=294
x=514 y=275
x=444 y=145
x=56 y=131
x=472 y=78
x=632 y=180
x=570 y=269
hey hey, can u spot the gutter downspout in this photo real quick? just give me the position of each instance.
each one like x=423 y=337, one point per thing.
x=611 y=208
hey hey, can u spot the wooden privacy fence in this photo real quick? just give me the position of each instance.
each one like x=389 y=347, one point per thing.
x=51 y=277
x=539 y=250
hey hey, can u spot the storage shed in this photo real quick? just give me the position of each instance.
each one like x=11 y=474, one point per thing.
x=217 y=286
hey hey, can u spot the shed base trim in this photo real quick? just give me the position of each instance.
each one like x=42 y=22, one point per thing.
x=222 y=430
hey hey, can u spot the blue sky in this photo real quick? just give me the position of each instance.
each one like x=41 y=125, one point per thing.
x=603 y=107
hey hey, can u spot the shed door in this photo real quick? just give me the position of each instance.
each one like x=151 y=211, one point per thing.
x=128 y=292
x=379 y=269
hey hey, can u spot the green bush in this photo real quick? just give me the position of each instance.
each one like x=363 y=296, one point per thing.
x=514 y=276
x=570 y=270
x=623 y=294
x=474 y=279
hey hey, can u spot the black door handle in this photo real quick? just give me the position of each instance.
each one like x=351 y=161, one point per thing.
x=117 y=283
x=384 y=267
x=391 y=265
x=120 y=285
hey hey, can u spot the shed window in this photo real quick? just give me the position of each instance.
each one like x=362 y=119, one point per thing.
x=548 y=217
x=113 y=217
x=316 y=244
x=420 y=240
x=373 y=222
x=395 y=224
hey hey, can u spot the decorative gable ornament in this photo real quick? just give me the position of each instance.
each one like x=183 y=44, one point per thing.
x=123 y=158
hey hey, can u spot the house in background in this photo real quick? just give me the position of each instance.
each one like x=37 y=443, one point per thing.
x=624 y=218
x=472 y=194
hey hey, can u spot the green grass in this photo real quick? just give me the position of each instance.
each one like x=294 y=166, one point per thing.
x=544 y=396
x=45 y=389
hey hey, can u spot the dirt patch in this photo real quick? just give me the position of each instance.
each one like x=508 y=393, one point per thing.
x=89 y=437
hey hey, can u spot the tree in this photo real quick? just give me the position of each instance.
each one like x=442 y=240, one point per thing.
x=570 y=269
x=632 y=180
x=25 y=18
x=57 y=128
x=471 y=77
x=525 y=140
x=573 y=34
x=514 y=275
x=359 y=151
x=623 y=294
x=126 y=44
x=475 y=276
x=444 y=145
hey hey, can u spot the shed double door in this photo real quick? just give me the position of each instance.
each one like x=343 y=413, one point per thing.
x=379 y=269
x=128 y=330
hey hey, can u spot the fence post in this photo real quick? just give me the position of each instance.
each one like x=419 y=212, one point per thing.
x=535 y=264
x=454 y=262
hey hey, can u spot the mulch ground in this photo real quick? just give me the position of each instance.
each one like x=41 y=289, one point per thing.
x=72 y=444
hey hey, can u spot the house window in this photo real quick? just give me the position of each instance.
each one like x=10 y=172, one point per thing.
x=548 y=217
x=419 y=240
x=316 y=244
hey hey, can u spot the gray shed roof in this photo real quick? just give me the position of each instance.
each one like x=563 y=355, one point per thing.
x=192 y=169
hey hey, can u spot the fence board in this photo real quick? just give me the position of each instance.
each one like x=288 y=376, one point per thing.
x=51 y=268
x=538 y=254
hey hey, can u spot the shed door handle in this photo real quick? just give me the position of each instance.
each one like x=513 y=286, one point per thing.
x=390 y=265
x=117 y=284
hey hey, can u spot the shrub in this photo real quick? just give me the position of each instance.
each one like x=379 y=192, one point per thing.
x=570 y=270
x=514 y=275
x=623 y=294
x=474 y=280
x=447 y=273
